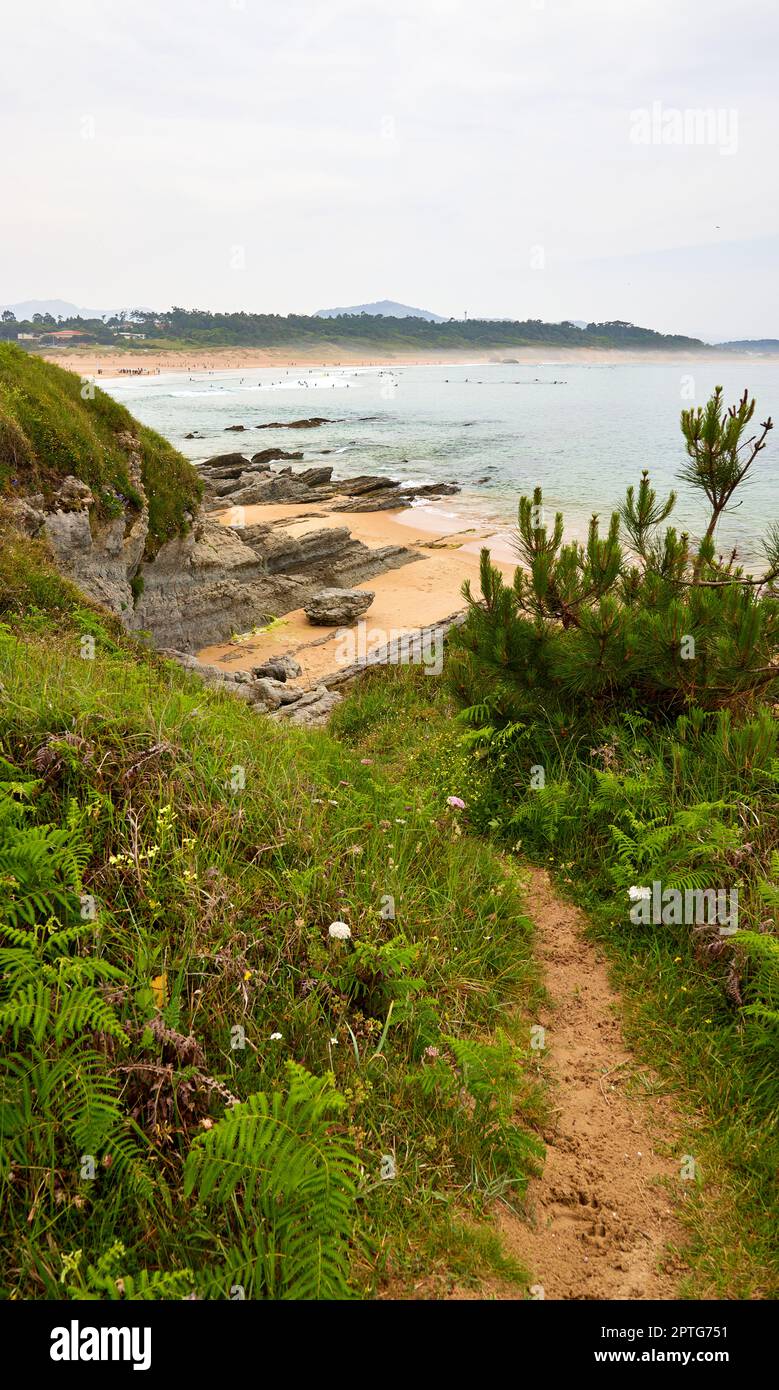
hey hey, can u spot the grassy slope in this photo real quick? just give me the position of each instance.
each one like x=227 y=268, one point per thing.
x=223 y=898
x=49 y=430
x=717 y=1064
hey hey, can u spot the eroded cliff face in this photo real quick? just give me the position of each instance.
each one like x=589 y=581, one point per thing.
x=217 y=580
x=202 y=587
x=100 y=556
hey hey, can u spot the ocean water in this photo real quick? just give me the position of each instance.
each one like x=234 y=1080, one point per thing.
x=582 y=432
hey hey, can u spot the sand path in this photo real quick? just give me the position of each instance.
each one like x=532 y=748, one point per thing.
x=599 y=1219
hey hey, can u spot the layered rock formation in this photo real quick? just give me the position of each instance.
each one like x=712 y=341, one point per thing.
x=236 y=481
x=216 y=580
x=219 y=579
x=101 y=556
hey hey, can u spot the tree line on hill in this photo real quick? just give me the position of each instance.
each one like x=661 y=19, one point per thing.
x=199 y=327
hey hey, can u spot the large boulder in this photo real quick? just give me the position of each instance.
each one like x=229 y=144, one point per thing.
x=226 y=460
x=355 y=487
x=268 y=455
x=338 y=607
x=312 y=710
x=274 y=693
x=278 y=668
x=73 y=495
x=314 y=477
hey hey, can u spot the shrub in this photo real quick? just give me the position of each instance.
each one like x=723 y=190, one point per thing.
x=634 y=618
x=621 y=695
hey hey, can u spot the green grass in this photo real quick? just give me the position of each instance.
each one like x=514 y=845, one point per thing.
x=681 y=1012
x=52 y=426
x=213 y=906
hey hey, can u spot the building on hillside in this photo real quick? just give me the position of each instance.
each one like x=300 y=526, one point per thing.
x=65 y=337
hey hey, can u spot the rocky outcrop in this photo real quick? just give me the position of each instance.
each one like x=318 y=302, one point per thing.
x=311 y=423
x=278 y=668
x=275 y=693
x=330 y=554
x=221 y=462
x=312 y=709
x=205 y=586
x=273 y=487
x=101 y=556
x=217 y=581
x=202 y=587
x=338 y=607
x=392 y=497
x=294 y=705
x=268 y=455
x=27 y=513
x=233 y=480
x=314 y=477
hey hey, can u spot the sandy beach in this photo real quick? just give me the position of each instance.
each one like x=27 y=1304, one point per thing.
x=150 y=361
x=418 y=595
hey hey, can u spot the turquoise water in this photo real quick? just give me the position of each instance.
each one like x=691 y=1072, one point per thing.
x=582 y=432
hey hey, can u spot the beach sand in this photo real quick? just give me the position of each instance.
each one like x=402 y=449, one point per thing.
x=419 y=594
x=148 y=361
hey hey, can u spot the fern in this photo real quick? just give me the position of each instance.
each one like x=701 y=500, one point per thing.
x=40 y=871
x=761 y=950
x=295 y=1181
x=109 y=1279
x=489 y=1073
x=58 y=1099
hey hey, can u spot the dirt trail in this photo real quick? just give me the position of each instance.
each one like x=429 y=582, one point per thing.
x=598 y=1220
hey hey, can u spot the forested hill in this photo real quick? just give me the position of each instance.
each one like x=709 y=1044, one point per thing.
x=195 y=327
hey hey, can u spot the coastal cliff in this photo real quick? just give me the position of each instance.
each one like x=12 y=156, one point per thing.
x=134 y=525
x=205 y=584
x=97 y=496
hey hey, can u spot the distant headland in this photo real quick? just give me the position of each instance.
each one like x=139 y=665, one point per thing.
x=398 y=332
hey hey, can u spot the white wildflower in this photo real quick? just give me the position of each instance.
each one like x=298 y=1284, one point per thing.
x=339 y=931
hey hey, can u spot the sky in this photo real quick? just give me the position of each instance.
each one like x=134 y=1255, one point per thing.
x=582 y=159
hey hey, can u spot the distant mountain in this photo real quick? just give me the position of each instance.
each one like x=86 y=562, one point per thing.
x=59 y=308
x=387 y=308
x=62 y=308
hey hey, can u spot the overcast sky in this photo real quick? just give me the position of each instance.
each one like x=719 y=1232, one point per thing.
x=479 y=155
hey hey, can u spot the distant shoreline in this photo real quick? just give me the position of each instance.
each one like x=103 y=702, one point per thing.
x=93 y=361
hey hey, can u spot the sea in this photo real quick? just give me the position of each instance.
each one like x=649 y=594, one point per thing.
x=581 y=432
